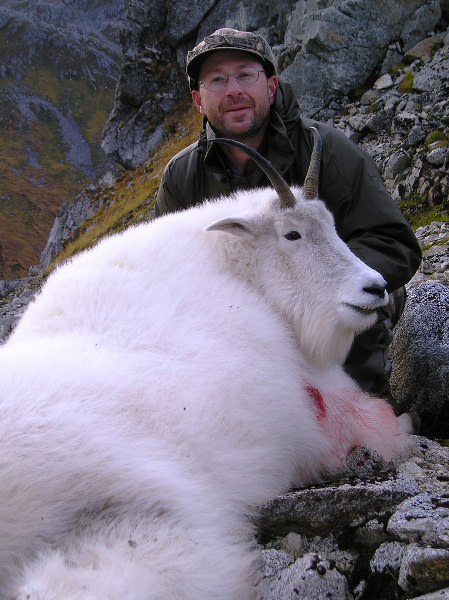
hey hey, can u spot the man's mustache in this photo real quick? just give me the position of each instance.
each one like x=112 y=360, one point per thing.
x=228 y=103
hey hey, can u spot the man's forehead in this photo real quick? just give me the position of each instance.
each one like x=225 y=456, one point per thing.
x=224 y=58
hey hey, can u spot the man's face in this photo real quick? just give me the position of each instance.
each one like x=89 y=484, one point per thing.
x=236 y=112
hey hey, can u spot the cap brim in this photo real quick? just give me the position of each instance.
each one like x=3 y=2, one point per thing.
x=193 y=69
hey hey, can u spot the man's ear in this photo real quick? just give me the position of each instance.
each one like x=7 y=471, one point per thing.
x=196 y=97
x=234 y=226
x=273 y=83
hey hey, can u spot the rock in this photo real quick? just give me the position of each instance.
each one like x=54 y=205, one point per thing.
x=331 y=509
x=7 y=287
x=383 y=83
x=275 y=561
x=437 y=156
x=387 y=558
x=309 y=577
x=423 y=519
x=416 y=136
x=426 y=79
x=424 y=49
x=371 y=535
x=440 y=595
x=420 y=352
x=404 y=121
x=396 y=164
x=369 y=97
x=66 y=224
x=424 y=569
x=293 y=544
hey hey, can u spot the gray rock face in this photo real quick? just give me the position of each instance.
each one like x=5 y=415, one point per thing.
x=150 y=83
x=15 y=295
x=420 y=378
x=66 y=223
x=344 y=42
x=395 y=125
x=332 y=509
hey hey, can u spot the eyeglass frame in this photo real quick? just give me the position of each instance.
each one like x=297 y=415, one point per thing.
x=220 y=89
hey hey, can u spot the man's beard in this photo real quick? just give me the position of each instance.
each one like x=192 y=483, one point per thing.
x=257 y=125
x=253 y=130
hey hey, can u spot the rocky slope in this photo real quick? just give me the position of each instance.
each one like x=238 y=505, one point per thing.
x=59 y=64
x=385 y=536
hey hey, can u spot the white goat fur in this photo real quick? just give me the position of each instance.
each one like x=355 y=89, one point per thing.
x=157 y=390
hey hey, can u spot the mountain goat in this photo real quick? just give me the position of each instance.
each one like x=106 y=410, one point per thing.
x=169 y=380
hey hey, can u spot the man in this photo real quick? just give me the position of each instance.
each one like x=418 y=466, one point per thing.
x=234 y=86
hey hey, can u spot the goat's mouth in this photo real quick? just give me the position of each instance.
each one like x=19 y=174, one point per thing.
x=362 y=310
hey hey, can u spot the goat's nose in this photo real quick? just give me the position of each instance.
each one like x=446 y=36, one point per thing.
x=376 y=289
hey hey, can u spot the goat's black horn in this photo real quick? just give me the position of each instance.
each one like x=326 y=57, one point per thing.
x=312 y=180
x=282 y=188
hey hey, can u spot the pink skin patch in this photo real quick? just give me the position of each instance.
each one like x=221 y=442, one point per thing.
x=318 y=399
x=352 y=419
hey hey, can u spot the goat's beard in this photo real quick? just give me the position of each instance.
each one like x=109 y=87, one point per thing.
x=322 y=339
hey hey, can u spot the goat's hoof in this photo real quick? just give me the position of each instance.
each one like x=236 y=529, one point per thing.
x=410 y=423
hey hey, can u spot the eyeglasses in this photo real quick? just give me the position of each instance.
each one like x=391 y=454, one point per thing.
x=217 y=82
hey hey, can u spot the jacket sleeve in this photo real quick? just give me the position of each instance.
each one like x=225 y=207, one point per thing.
x=366 y=216
x=180 y=182
x=166 y=200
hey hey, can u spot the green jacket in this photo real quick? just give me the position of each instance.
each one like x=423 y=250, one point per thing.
x=366 y=217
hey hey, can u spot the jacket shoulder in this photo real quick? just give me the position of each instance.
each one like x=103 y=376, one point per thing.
x=179 y=181
x=184 y=157
x=330 y=134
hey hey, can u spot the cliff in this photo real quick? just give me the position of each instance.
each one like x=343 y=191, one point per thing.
x=59 y=64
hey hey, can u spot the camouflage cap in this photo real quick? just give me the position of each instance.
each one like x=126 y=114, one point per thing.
x=229 y=39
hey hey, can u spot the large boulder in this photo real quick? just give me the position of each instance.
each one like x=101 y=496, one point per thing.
x=420 y=351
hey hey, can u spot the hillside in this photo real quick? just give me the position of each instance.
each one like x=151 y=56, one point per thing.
x=59 y=63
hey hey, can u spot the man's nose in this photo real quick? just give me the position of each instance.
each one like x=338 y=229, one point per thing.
x=233 y=86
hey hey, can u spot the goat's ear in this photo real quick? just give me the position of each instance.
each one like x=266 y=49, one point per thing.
x=235 y=226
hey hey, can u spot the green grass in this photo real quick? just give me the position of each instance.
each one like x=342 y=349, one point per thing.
x=419 y=216
x=406 y=85
x=437 y=136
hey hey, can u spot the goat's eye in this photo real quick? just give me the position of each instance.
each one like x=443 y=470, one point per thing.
x=292 y=235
